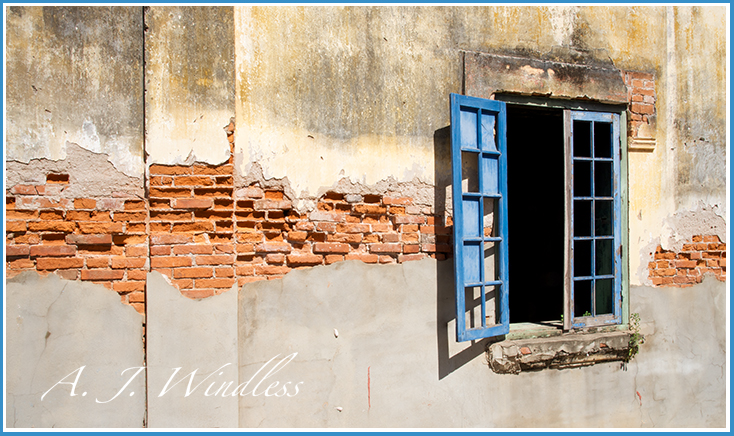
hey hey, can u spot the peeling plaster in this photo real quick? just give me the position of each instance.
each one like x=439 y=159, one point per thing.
x=90 y=175
x=679 y=229
x=74 y=75
x=420 y=192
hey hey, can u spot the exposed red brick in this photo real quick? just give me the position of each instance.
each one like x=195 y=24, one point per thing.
x=271 y=270
x=273 y=248
x=195 y=272
x=27 y=190
x=171 y=170
x=170 y=262
x=215 y=260
x=193 y=181
x=304 y=259
x=98 y=262
x=170 y=192
x=386 y=248
x=124 y=287
x=267 y=204
x=85 y=203
x=409 y=219
x=224 y=272
x=331 y=248
x=52 y=250
x=411 y=248
x=326 y=216
x=21 y=214
x=28 y=264
x=168 y=239
x=128 y=262
x=213 y=170
x=214 y=283
x=213 y=192
x=15 y=226
x=200 y=226
x=49 y=215
x=129 y=216
x=409 y=257
x=16 y=250
x=350 y=238
x=352 y=228
x=53 y=226
x=333 y=258
x=100 y=227
x=101 y=274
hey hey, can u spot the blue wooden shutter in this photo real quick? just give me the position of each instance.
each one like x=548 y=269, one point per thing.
x=479 y=188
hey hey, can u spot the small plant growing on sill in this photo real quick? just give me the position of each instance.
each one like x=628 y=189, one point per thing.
x=636 y=338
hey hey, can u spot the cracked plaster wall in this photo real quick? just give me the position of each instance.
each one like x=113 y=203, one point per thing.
x=189 y=83
x=376 y=348
x=54 y=327
x=194 y=335
x=361 y=94
x=75 y=76
x=104 y=181
x=680 y=188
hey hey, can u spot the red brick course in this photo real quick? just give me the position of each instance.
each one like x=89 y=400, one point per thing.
x=205 y=236
x=641 y=96
x=687 y=267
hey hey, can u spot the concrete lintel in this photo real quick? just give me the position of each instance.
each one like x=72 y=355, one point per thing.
x=486 y=74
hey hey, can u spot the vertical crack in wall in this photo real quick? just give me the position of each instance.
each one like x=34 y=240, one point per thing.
x=146 y=187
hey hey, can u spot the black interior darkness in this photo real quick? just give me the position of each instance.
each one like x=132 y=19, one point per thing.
x=535 y=180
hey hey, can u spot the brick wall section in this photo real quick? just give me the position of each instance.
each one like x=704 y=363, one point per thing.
x=205 y=236
x=641 y=97
x=102 y=240
x=272 y=238
x=687 y=267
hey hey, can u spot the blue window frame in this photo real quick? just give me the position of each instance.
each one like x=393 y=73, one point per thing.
x=592 y=252
x=479 y=166
x=595 y=258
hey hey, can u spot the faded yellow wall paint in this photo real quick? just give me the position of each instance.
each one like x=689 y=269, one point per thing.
x=370 y=86
x=189 y=84
x=74 y=76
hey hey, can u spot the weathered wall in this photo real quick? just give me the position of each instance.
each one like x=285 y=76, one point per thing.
x=376 y=348
x=75 y=76
x=361 y=93
x=199 y=338
x=53 y=327
x=189 y=83
x=686 y=173
x=342 y=154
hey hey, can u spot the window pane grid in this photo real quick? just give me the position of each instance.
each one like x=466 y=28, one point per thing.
x=478 y=132
x=590 y=179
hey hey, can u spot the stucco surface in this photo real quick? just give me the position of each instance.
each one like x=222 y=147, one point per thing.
x=53 y=327
x=189 y=83
x=75 y=76
x=376 y=348
x=359 y=92
x=199 y=337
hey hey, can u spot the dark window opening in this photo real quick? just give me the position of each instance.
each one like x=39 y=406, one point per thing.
x=536 y=183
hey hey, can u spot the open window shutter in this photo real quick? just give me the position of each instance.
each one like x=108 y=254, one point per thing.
x=594 y=254
x=479 y=188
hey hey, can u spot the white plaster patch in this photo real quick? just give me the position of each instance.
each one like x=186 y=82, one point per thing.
x=562 y=20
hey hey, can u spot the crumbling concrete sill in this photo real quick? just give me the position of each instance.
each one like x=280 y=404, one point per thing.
x=558 y=352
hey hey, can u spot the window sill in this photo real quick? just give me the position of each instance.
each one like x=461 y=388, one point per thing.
x=557 y=350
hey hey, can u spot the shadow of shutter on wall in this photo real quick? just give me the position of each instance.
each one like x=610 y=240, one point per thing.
x=479 y=189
